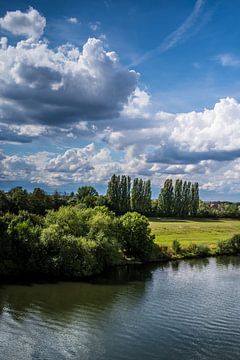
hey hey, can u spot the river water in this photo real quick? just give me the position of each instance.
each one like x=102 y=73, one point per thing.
x=185 y=310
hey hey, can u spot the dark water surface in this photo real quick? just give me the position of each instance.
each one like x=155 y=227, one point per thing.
x=185 y=310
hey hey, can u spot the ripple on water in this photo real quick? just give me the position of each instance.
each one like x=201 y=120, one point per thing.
x=192 y=312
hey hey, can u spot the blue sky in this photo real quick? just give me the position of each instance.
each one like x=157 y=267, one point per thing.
x=148 y=88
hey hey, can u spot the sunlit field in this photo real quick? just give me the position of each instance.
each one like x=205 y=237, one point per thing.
x=204 y=231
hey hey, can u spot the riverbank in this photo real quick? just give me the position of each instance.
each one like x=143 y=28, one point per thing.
x=28 y=279
x=73 y=243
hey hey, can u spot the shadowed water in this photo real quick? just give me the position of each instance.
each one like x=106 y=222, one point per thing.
x=185 y=310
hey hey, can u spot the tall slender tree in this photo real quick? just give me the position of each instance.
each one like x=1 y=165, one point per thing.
x=118 y=193
x=194 y=199
x=178 y=198
x=134 y=195
x=166 y=198
x=147 y=197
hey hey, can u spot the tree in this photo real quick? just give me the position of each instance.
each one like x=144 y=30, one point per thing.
x=87 y=195
x=118 y=193
x=124 y=201
x=4 y=202
x=186 y=199
x=194 y=199
x=147 y=198
x=19 y=199
x=178 y=198
x=39 y=201
x=141 y=196
x=57 y=200
x=23 y=234
x=136 y=239
x=134 y=195
x=166 y=198
x=113 y=193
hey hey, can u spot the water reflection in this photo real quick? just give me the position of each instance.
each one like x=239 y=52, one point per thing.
x=228 y=261
x=67 y=297
x=169 y=311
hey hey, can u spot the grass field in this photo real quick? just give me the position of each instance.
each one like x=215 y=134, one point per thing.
x=204 y=231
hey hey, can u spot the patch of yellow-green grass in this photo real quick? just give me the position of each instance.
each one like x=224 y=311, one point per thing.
x=205 y=231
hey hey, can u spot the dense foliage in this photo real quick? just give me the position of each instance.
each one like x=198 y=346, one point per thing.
x=71 y=242
x=180 y=199
x=231 y=246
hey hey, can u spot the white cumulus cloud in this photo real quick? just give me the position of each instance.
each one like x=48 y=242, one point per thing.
x=66 y=85
x=30 y=23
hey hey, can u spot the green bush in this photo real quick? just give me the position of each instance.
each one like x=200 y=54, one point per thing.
x=76 y=258
x=136 y=238
x=231 y=246
x=202 y=250
x=176 y=246
x=83 y=241
x=160 y=252
x=19 y=243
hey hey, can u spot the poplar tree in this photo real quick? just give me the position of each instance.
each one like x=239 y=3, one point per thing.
x=113 y=193
x=166 y=198
x=178 y=198
x=186 y=199
x=118 y=193
x=134 y=194
x=194 y=199
x=140 y=197
x=147 y=197
x=124 y=201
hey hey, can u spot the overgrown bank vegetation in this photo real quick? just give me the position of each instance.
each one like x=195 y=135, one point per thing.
x=77 y=235
x=71 y=242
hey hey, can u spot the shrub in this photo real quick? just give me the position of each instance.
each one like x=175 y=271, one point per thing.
x=176 y=246
x=136 y=238
x=76 y=257
x=202 y=250
x=160 y=253
x=231 y=246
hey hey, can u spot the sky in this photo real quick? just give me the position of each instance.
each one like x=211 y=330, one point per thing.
x=143 y=88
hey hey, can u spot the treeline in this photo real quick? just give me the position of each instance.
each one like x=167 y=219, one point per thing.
x=36 y=202
x=218 y=209
x=180 y=199
x=176 y=199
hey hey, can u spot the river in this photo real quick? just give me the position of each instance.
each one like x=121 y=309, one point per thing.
x=179 y=310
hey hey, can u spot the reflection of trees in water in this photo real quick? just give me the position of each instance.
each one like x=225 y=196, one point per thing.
x=226 y=261
x=124 y=274
x=198 y=264
x=175 y=265
x=63 y=300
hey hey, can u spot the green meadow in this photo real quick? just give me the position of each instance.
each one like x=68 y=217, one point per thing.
x=205 y=231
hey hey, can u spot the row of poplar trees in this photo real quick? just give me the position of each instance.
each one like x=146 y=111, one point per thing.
x=123 y=197
x=179 y=199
